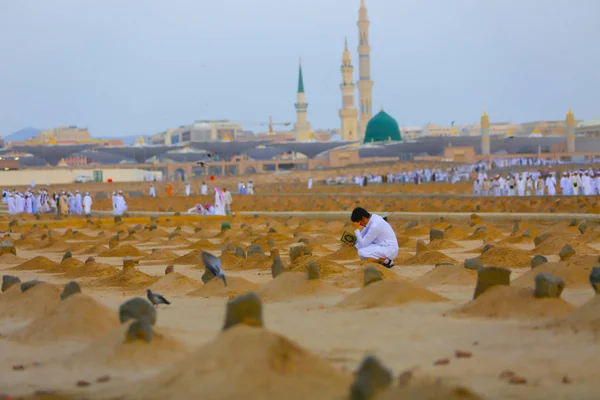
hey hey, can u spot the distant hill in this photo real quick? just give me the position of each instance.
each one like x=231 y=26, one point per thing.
x=22 y=135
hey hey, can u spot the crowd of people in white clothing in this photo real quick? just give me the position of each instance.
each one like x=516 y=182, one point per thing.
x=539 y=183
x=31 y=201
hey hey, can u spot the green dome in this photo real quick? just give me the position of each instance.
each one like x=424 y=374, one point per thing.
x=381 y=128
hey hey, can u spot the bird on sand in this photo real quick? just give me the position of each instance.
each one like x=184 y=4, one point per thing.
x=156 y=298
x=213 y=265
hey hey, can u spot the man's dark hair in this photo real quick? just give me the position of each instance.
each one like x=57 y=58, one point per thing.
x=358 y=213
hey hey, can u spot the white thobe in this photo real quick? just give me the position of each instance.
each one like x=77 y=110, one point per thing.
x=120 y=206
x=576 y=185
x=152 y=191
x=219 y=204
x=29 y=205
x=586 y=185
x=71 y=200
x=310 y=183
x=20 y=204
x=187 y=189
x=521 y=187
x=10 y=202
x=551 y=185
x=250 y=188
x=87 y=204
x=377 y=240
x=78 y=205
x=565 y=186
x=204 y=189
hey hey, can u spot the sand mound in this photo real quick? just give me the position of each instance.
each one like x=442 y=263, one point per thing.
x=175 y=283
x=448 y=275
x=93 y=269
x=263 y=365
x=79 y=317
x=192 y=258
x=355 y=278
x=456 y=233
x=112 y=351
x=506 y=257
x=202 y=244
x=254 y=261
x=123 y=251
x=35 y=302
x=66 y=265
x=427 y=258
x=10 y=258
x=177 y=241
x=228 y=259
x=345 y=253
x=128 y=279
x=574 y=277
x=553 y=246
x=586 y=317
x=443 y=245
x=216 y=288
x=326 y=268
x=509 y=302
x=407 y=243
x=161 y=255
x=389 y=293
x=94 y=250
x=294 y=284
x=36 y=264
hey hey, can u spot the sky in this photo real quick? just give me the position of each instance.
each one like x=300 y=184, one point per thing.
x=142 y=66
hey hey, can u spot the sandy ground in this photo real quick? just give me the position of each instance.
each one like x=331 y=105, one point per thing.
x=547 y=343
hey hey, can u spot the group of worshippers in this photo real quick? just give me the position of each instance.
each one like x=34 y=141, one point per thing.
x=222 y=206
x=246 y=188
x=31 y=202
x=539 y=183
x=452 y=175
x=534 y=183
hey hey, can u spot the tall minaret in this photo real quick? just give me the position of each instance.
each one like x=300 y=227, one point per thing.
x=302 y=126
x=571 y=123
x=348 y=113
x=485 y=134
x=365 y=84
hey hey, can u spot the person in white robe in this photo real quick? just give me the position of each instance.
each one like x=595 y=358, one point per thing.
x=227 y=200
x=10 y=202
x=586 y=184
x=551 y=184
x=575 y=184
x=78 y=203
x=120 y=204
x=512 y=191
x=520 y=182
x=152 y=190
x=28 y=203
x=204 y=189
x=188 y=189
x=219 y=202
x=20 y=202
x=377 y=239
x=87 y=204
x=565 y=184
x=250 y=187
x=4 y=196
x=528 y=186
x=597 y=180
x=71 y=200
x=197 y=210
x=538 y=184
x=310 y=183
x=114 y=202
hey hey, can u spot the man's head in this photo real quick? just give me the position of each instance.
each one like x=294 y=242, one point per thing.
x=360 y=215
x=224 y=189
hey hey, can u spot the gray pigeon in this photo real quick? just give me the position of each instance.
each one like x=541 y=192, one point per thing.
x=156 y=298
x=213 y=265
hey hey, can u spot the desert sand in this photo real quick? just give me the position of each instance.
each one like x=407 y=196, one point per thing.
x=420 y=321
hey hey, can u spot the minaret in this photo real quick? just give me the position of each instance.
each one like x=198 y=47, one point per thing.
x=485 y=134
x=302 y=126
x=365 y=84
x=571 y=131
x=348 y=113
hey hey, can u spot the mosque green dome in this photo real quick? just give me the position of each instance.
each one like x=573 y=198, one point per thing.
x=381 y=128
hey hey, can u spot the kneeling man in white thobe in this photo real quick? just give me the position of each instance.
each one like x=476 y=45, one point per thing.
x=377 y=239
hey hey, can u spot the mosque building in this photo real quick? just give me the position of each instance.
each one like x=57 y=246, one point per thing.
x=356 y=124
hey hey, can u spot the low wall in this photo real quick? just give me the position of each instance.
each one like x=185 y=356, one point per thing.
x=64 y=175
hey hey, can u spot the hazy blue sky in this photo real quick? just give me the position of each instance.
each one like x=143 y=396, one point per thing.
x=141 y=66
